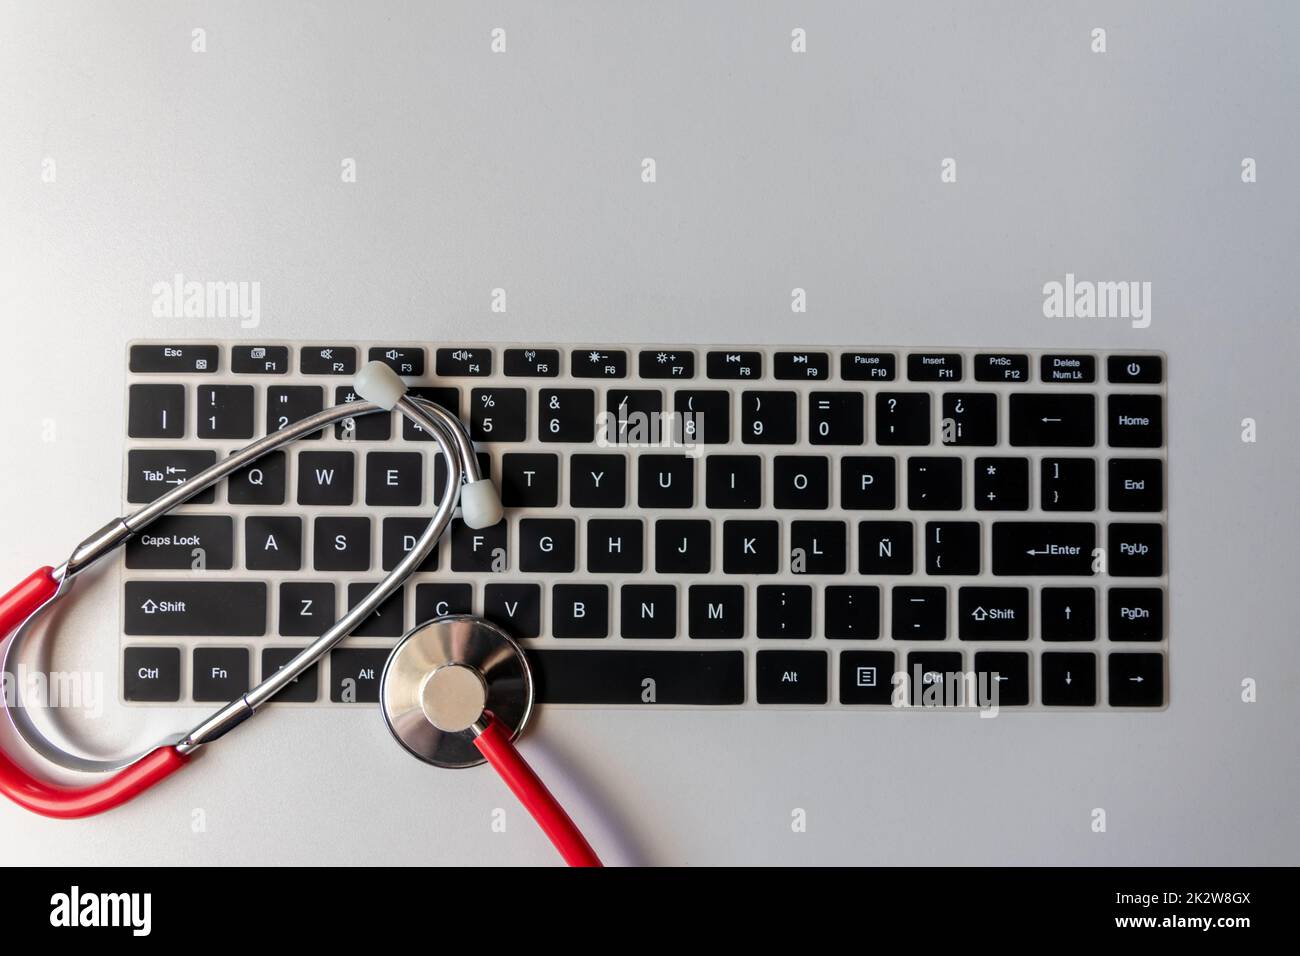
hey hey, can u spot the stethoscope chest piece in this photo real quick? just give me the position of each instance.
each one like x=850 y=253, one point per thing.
x=442 y=677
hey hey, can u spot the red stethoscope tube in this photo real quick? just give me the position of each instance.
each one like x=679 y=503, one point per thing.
x=49 y=799
x=494 y=743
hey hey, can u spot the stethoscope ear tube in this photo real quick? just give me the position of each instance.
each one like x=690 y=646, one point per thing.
x=26 y=602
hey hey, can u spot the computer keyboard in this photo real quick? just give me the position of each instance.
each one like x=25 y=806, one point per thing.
x=685 y=526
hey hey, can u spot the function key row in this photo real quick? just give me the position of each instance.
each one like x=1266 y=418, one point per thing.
x=667 y=363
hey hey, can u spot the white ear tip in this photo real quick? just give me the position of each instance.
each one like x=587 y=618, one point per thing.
x=378 y=383
x=480 y=505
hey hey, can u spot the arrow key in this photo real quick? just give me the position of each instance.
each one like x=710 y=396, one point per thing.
x=1069 y=679
x=1136 y=680
x=1002 y=678
x=1068 y=614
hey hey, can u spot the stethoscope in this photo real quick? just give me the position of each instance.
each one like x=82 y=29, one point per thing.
x=455 y=692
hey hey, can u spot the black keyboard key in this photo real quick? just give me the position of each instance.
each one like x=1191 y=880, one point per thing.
x=902 y=418
x=220 y=673
x=639 y=677
x=399 y=536
x=156 y=411
x=835 y=418
x=802 y=366
x=683 y=546
x=993 y=614
x=580 y=610
x=952 y=547
x=1069 y=679
x=566 y=414
x=441 y=599
x=440 y=472
x=1136 y=614
x=473 y=362
x=818 y=547
x=1136 y=484
x=355 y=673
x=225 y=411
x=1068 y=614
x=1043 y=547
x=532 y=363
x=1135 y=421
x=387 y=620
x=666 y=363
x=784 y=611
x=716 y=611
x=791 y=677
x=1068 y=484
x=530 y=480
x=151 y=673
x=1068 y=369
x=702 y=417
x=769 y=418
x=1001 y=367
x=1137 y=550
x=327 y=360
x=648 y=610
x=515 y=607
x=616 y=545
x=733 y=482
x=734 y=365
x=261 y=483
x=934 y=367
x=936 y=679
x=969 y=418
x=341 y=544
x=376 y=426
x=303 y=689
x=598 y=363
x=1001 y=484
x=919 y=613
x=598 y=481
x=259 y=359
x=1135 y=369
x=1053 y=420
x=152 y=473
x=885 y=547
x=868 y=366
x=868 y=483
x=632 y=415
x=801 y=482
x=751 y=547
x=286 y=404
x=393 y=478
x=934 y=484
x=1001 y=678
x=183 y=542
x=272 y=543
x=178 y=359
x=306 y=608
x=498 y=414
x=446 y=396
x=326 y=478
x=1136 y=680
x=196 y=608
x=478 y=550
x=665 y=481
x=406 y=360
x=852 y=612
x=867 y=677
x=548 y=545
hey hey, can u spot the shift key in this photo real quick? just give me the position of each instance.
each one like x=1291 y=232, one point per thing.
x=198 y=608
x=1043 y=547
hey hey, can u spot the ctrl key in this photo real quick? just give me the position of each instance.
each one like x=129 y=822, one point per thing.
x=791 y=677
x=152 y=674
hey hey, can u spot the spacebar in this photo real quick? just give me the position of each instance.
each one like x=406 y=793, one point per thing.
x=639 y=677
